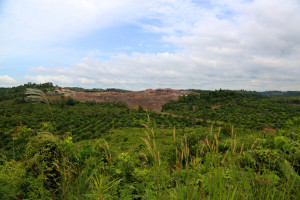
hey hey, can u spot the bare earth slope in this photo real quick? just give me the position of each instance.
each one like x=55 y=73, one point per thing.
x=149 y=99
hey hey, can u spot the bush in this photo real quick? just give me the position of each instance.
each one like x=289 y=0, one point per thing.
x=43 y=159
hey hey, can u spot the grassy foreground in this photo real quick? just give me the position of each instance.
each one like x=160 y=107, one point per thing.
x=153 y=163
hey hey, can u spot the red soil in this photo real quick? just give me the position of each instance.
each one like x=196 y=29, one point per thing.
x=148 y=99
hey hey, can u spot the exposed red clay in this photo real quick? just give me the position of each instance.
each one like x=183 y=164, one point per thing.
x=148 y=99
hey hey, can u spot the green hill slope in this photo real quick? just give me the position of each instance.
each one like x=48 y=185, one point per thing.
x=249 y=109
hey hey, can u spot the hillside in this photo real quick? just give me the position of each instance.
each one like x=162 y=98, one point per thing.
x=55 y=147
x=148 y=99
x=248 y=109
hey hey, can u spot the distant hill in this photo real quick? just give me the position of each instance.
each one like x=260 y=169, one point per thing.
x=280 y=93
x=79 y=89
x=148 y=99
x=250 y=109
x=14 y=92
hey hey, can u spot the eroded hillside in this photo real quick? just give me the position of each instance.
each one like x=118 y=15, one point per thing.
x=148 y=99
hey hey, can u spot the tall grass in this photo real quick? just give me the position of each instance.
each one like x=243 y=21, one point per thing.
x=151 y=145
x=33 y=95
x=102 y=185
x=224 y=178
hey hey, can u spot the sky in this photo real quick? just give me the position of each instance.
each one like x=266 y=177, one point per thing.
x=140 y=44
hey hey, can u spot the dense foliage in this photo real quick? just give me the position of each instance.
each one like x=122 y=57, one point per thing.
x=18 y=92
x=65 y=149
x=248 y=109
x=280 y=93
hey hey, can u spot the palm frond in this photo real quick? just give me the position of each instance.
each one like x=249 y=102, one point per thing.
x=35 y=96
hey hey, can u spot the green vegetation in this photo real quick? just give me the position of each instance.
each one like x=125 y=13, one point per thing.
x=58 y=148
x=17 y=93
x=240 y=108
x=286 y=94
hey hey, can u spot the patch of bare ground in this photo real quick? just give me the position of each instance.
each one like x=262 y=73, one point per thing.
x=213 y=107
x=148 y=99
x=269 y=130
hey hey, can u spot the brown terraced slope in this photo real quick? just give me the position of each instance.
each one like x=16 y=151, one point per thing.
x=148 y=99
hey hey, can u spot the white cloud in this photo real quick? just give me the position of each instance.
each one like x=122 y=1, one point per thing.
x=177 y=71
x=233 y=44
x=32 y=25
x=7 y=81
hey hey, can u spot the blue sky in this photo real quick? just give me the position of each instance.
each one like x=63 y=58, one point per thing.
x=139 y=44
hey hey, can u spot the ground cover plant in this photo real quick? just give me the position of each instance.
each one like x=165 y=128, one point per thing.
x=66 y=149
